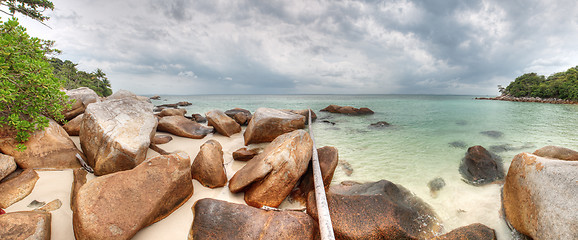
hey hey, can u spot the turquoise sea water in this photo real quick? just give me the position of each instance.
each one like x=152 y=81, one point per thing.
x=416 y=147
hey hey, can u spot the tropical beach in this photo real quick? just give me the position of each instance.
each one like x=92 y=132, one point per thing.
x=288 y=120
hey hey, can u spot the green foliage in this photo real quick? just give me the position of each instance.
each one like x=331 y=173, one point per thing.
x=562 y=85
x=30 y=8
x=72 y=78
x=28 y=90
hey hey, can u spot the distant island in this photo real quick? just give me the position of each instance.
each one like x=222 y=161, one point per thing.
x=559 y=88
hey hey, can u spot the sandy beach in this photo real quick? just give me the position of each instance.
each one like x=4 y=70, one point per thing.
x=57 y=185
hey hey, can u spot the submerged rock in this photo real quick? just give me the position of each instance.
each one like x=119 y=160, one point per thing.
x=393 y=212
x=379 y=125
x=436 y=184
x=493 y=134
x=216 y=219
x=540 y=196
x=480 y=167
x=458 y=144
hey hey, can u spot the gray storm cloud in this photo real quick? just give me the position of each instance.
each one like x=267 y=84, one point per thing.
x=270 y=47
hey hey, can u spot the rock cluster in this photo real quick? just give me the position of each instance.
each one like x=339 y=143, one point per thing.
x=347 y=110
x=529 y=99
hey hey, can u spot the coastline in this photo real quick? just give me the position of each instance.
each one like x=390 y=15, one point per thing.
x=529 y=99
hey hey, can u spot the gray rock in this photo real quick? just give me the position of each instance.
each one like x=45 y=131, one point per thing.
x=115 y=134
x=7 y=165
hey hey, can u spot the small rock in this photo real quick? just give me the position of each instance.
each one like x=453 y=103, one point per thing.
x=183 y=127
x=72 y=127
x=172 y=112
x=243 y=154
x=346 y=167
x=241 y=116
x=155 y=97
x=347 y=110
x=36 y=204
x=184 y=104
x=198 y=118
x=162 y=139
x=51 y=206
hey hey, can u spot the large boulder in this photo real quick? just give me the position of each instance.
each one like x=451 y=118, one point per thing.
x=328 y=161
x=118 y=205
x=268 y=123
x=72 y=127
x=241 y=116
x=26 y=225
x=50 y=149
x=224 y=125
x=123 y=94
x=378 y=210
x=7 y=165
x=480 y=167
x=216 y=219
x=540 y=197
x=80 y=99
x=183 y=127
x=115 y=134
x=557 y=153
x=173 y=112
x=475 y=231
x=347 y=110
x=208 y=166
x=15 y=189
x=78 y=180
x=269 y=177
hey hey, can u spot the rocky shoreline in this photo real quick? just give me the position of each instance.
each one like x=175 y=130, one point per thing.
x=240 y=174
x=529 y=99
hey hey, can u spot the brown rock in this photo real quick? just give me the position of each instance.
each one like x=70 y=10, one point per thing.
x=347 y=110
x=305 y=113
x=328 y=160
x=216 y=219
x=25 y=225
x=475 y=231
x=51 y=206
x=224 y=125
x=116 y=133
x=72 y=127
x=155 y=97
x=394 y=212
x=79 y=175
x=80 y=98
x=7 y=165
x=270 y=176
x=51 y=148
x=540 y=195
x=124 y=94
x=480 y=167
x=173 y=112
x=267 y=124
x=183 y=127
x=241 y=116
x=198 y=118
x=162 y=139
x=118 y=205
x=17 y=188
x=243 y=154
x=184 y=103
x=208 y=166
x=557 y=153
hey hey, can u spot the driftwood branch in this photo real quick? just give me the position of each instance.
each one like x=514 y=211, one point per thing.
x=84 y=164
x=156 y=148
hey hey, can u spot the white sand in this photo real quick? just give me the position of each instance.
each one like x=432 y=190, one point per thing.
x=57 y=185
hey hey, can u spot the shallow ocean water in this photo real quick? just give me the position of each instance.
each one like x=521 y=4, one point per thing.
x=427 y=138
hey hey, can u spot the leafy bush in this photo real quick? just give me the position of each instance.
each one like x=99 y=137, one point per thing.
x=562 y=85
x=29 y=91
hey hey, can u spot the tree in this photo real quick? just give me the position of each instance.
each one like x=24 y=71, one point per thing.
x=562 y=85
x=30 y=8
x=29 y=91
x=73 y=78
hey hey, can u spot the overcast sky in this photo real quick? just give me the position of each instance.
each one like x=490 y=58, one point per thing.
x=303 y=47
